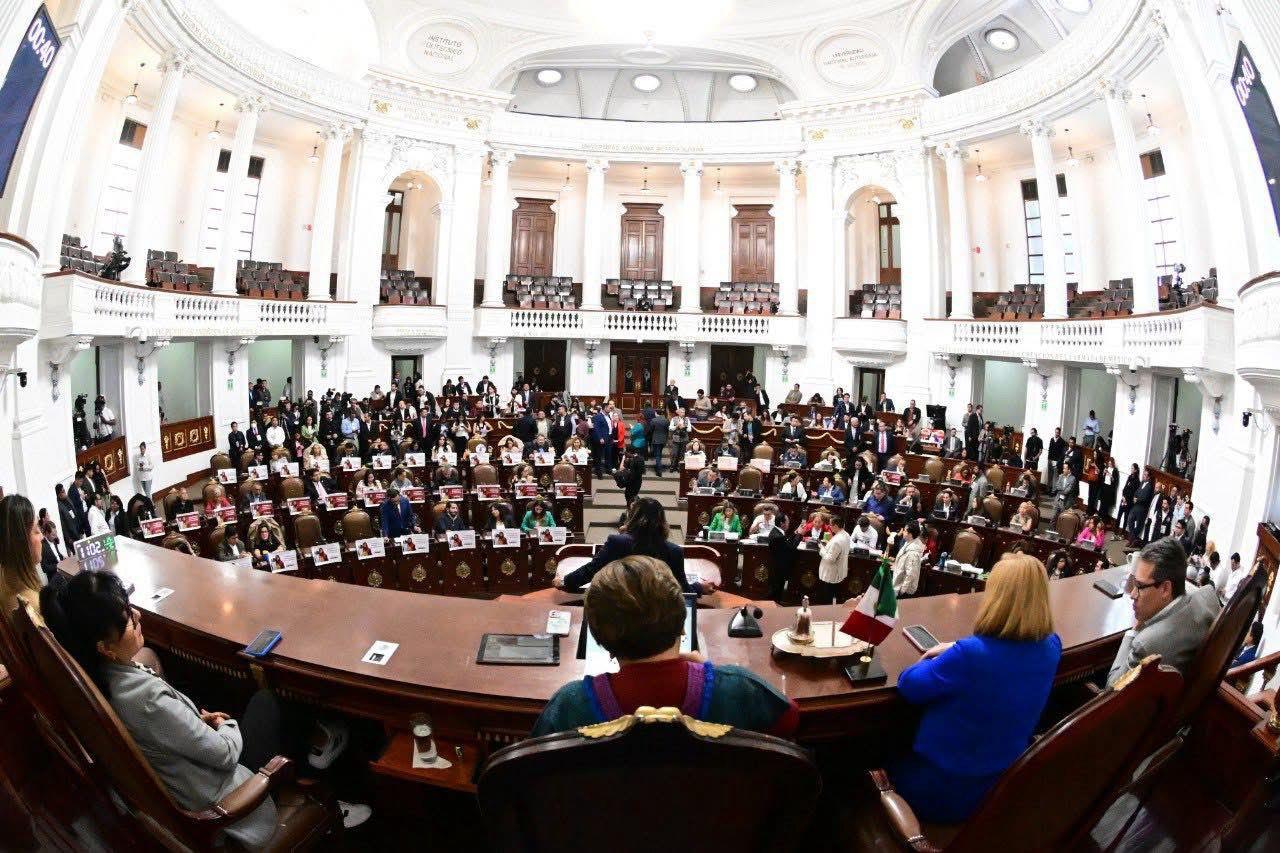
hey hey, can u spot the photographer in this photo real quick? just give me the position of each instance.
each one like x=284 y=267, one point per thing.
x=104 y=420
x=80 y=424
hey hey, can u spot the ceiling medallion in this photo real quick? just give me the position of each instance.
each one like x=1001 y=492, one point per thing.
x=647 y=55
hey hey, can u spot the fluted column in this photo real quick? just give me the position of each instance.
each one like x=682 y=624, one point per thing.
x=497 y=255
x=1055 y=266
x=224 y=275
x=326 y=210
x=593 y=233
x=142 y=219
x=1132 y=198
x=690 y=237
x=820 y=272
x=958 y=214
x=784 y=248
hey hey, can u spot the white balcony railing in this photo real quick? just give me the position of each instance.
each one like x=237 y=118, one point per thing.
x=19 y=289
x=870 y=342
x=415 y=322
x=78 y=304
x=1258 y=334
x=1202 y=336
x=638 y=325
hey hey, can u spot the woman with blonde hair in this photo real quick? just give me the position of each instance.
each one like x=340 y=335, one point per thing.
x=315 y=457
x=982 y=695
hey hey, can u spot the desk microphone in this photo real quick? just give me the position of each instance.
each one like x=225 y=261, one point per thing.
x=744 y=622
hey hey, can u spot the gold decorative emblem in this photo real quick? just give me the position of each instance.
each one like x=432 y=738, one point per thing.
x=473 y=123
x=193 y=435
x=508 y=568
x=818 y=134
x=375 y=578
x=762 y=573
x=419 y=574
x=907 y=123
x=382 y=106
x=463 y=571
x=566 y=515
x=703 y=519
x=545 y=481
x=808 y=579
x=649 y=715
x=550 y=567
x=333 y=578
x=578 y=479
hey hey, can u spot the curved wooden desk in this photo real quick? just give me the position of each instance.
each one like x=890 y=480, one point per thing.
x=216 y=609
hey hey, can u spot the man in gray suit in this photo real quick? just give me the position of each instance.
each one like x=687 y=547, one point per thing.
x=1167 y=620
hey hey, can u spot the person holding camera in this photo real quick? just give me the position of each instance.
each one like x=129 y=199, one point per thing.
x=104 y=420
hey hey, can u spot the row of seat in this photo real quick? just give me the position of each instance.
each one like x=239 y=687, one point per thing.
x=269 y=280
x=165 y=271
x=541 y=291
x=74 y=256
x=402 y=287
x=633 y=294
x=877 y=302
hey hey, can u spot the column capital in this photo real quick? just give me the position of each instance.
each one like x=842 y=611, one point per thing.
x=177 y=60
x=469 y=158
x=1036 y=128
x=1158 y=24
x=335 y=131
x=251 y=103
x=597 y=164
x=813 y=162
x=1110 y=88
x=502 y=158
x=785 y=167
x=691 y=168
x=952 y=151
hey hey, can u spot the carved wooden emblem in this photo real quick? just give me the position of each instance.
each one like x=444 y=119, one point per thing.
x=808 y=579
x=463 y=571
x=375 y=579
x=508 y=568
x=419 y=574
x=762 y=573
x=550 y=567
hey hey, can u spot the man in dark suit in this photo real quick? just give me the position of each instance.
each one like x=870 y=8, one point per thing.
x=420 y=429
x=397 y=515
x=1140 y=505
x=318 y=487
x=884 y=404
x=236 y=443
x=658 y=430
x=762 y=399
x=793 y=433
x=972 y=429
x=254 y=438
x=671 y=397
x=911 y=415
x=525 y=396
x=953 y=447
x=865 y=412
x=524 y=428
x=883 y=446
x=840 y=407
x=750 y=435
x=1032 y=448
x=1073 y=458
x=329 y=432
x=451 y=519
x=78 y=504
x=51 y=550
x=853 y=441
x=1057 y=452
x=560 y=430
x=602 y=441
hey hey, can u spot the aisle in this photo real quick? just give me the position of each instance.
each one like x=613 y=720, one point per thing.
x=601 y=516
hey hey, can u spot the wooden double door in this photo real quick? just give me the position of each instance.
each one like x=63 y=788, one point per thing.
x=639 y=374
x=533 y=230
x=641 y=242
x=752 y=243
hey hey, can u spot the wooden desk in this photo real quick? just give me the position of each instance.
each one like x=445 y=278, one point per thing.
x=216 y=610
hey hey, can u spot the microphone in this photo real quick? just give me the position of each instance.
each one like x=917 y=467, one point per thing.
x=744 y=622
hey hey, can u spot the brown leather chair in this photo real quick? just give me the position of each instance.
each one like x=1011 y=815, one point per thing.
x=166 y=505
x=175 y=541
x=406 y=446
x=763 y=451
x=934 y=467
x=966 y=547
x=219 y=461
x=751 y=479
x=215 y=539
x=993 y=508
x=278 y=453
x=474 y=442
x=564 y=472
x=761 y=789
x=246 y=459
x=346 y=447
x=303 y=819
x=995 y=476
x=1078 y=765
x=1069 y=523
x=356 y=525
x=291 y=487
x=307 y=531
x=484 y=474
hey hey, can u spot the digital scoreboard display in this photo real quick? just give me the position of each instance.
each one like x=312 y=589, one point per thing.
x=97 y=552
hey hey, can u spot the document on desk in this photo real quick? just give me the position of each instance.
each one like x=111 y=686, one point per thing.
x=380 y=652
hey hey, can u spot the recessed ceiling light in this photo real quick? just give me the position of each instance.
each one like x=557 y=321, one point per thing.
x=646 y=82
x=549 y=76
x=742 y=82
x=1080 y=7
x=1002 y=39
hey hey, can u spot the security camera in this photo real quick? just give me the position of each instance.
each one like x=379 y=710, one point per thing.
x=22 y=378
x=1244 y=419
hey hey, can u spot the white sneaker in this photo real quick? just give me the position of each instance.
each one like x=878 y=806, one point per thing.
x=353 y=814
x=327 y=743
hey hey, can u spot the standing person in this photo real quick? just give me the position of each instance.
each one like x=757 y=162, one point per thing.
x=906 y=566
x=631 y=475
x=287 y=393
x=1057 y=452
x=1127 y=494
x=833 y=567
x=1032 y=448
x=978 y=719
x=602 y=438
x=144 y=469
x=1090 y=429
x=1108 y=483
x=659 y=428
x=678 y=434
x=1140 y=505
x=66 y=516
x=972 y=426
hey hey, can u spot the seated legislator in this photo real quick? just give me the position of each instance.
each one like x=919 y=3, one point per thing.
x=644 y=532
x=397 y=515
x=878 y=502
x=537 y=516
x=1024 y=520
x=318 y=487
x=766 y=523
x=727 y=520
x=230 y=548
x=498 y=517
x=793 y=487
x=946 y=506
x=829 y=491
x=636 y=611
x=793 y=457
x=828 y=461
x=1093 y=533
x=265 y=544
x=709 y=478
x=982 y=696
x=451 y=519
x=1168 y=620
x=864 y=534
x=815 y=527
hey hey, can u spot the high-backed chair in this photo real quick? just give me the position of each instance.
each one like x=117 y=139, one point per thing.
x=307 y=531
x=934 y=468
x=1069 y=523
x=474 y=442
x=995 y=476
x=751 y=479
x=1078 y=765
x=219 y=461
x=564 y=472
x=166 y=505
x=763 y=451
x=993 y=508
x=303 y=820
x=356 y=525
x=175 y=541
x=216 y=535
x=246 y=459
x=291 y=487
x=966 y=547
x=761 y=789
x=346 y=447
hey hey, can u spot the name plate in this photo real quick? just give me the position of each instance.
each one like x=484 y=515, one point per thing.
x=371 y=548
x=336 y=500
x=285 y=561
x=461 y=540
x=152 y=527
x=188 y=521
x=323 y=555
x=299 y=505
x=415 y=494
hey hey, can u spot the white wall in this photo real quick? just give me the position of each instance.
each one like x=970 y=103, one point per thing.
x=1004 y=393
x=177 y=370
x=272 y=360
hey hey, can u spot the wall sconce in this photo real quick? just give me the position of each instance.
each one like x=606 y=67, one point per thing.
x=784 y=352
x=494 y=345
x=952 y=364
x=687 y=348
x=143 y=350
x=62 y=356
x=231 y=355
x=1131 y=379
x=329 y=343
x=1034 y=366
x=591 y=346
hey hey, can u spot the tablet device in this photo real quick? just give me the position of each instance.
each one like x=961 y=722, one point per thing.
x=1107 y=588
x=519 y=649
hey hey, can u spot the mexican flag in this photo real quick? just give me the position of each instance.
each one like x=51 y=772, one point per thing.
x=876 y=614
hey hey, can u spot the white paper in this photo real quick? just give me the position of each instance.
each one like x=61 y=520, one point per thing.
x=285 y=561
x=258 y=472
x=382 y=462
x=379 y=653
x=414 y=543
x=461 y=540
x=371 y=548
x=415 y=460
x=508 y=537
x=227 y=476
x=159 y=595
x=323 y=555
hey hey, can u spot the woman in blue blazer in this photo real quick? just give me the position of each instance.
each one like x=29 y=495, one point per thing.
x=982 y=695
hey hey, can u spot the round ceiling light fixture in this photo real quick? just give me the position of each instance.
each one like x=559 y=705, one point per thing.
x=1080 y=7
x=743 y=83
x=1001 y=39
x=549 y=76
x=645 y=82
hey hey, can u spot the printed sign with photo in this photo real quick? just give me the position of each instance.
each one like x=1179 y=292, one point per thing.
x=893 y=478
x=351 y=463
x=227 y=476
x=552 y=535
x=152 y=527
x=284 y=561
x=544 y=457
x=321 y=462
x=507 y=537
x=261 y=509
x=374 y=497
x=526 y=490
x=290 y=469
x=511 y=457
x=415 y=460
x=371 y=548
x=245 y=562
x=933 y=436
x=488 y=491
x=414 y=543
x=695 y=461
x=188 y=521
x=299 y=505
x=727 y=463
x=415 y=494
x=566 y=490
x=226 y=514
x=258 y=472
x=329 y=552
x=451 y=493
x=480 y=457
x=763 y=465
x=336 y=500
x=577 y=457
x=448 y=457
x=382 y=462
x=461 y=540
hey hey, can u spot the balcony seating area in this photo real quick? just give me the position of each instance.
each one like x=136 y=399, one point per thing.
x=1026 y=302
x=165 y=271
x=633 y=294
x=268 y=280
x=540 y=291
x=747 y=297
x=402 y=287
x=876 y=302
x=77 y=257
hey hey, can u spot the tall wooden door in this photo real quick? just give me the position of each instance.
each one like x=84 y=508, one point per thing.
x=533 y=228
x=545 y=362
x=752 y=243
x=639 y=373
x=641 y=242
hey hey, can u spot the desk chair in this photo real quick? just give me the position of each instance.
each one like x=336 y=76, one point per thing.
x=1078 y=766
x=995 y=476
x=735 y=789
x=967 y=546
x=304 y=818
x=993 y=508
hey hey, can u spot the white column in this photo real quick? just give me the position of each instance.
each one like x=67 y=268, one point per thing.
x=823 y=289
x=224 y=273
x=1055 y=267
x=958 y=213
x=691 y=237
x=592 y=233
x=1132 y=198
x=468 y=171
x=142 y=219
x=443 y=213
x=497 y=253
x=326 y=211
x=784 y=248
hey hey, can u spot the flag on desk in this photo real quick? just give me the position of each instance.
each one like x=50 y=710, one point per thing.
x=877 y=611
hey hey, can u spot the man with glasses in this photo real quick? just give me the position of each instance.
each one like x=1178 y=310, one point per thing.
x=1167 y=620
